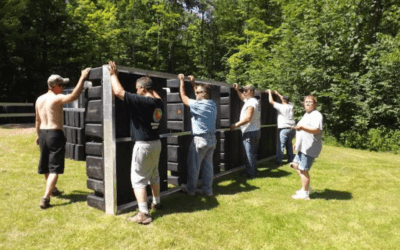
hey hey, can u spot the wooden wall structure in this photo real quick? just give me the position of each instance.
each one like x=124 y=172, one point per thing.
x=108 y=146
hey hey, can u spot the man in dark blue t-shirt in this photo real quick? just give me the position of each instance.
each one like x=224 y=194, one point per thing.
x=146 y=110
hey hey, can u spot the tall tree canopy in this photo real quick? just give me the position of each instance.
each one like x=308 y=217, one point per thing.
x=345 y=52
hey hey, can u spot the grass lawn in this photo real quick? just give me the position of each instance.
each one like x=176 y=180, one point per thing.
x=356 y=206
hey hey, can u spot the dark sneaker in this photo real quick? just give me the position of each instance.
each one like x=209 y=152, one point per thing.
x=141 y=218
x=156 y=207
x=45 y=203
x=56 y=192
x=246 y=175
x=186 y=190
x=201 y=192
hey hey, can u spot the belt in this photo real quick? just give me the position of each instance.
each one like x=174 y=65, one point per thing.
x=286 y=128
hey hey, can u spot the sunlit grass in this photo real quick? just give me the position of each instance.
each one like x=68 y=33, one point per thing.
x=355 y=207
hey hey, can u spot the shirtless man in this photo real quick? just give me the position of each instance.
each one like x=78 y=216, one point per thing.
x=49 y=129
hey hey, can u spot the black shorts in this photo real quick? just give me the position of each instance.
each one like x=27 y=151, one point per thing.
x=52 y=151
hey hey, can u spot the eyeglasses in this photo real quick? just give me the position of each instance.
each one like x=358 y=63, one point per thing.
x=199 y=92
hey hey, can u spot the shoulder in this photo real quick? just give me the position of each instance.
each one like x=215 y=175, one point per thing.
x=316 y=114
x=41 y=98
x=159 y=101
x=129 y=95
x=209 y=102
x=253 y=102
x=277 y=105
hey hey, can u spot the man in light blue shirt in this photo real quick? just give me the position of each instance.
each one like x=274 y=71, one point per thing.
x=204 y=115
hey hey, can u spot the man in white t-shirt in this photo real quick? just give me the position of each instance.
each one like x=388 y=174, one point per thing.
x=250 y=124
x=285 y=126
x=308 y=145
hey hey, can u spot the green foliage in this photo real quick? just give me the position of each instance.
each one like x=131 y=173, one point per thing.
x=381 y=139
x=346 y=53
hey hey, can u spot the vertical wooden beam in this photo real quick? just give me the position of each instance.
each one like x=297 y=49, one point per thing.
x=110 y=165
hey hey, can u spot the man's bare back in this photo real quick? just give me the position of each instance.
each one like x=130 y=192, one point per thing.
x=50 y=110
x=49 y=107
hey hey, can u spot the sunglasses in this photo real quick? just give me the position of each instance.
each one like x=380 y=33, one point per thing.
x=199 y=92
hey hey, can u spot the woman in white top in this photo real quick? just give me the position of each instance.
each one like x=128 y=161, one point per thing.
x=308 y=144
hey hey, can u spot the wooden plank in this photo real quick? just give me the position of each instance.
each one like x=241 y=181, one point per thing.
x=173 y=98
x=225 y=123
x=95 y=92
x=173 y=166
x=95 y=185
x=94 y=148
x=173 y=153
x=6 y=104
x=94 y=130
x=79 y=154
x=96 y=202
x=95 y=167
x=96 y=74
x=18 y=115
x=94 y=112
x=175 y=125
x=80 y=136
x=71 y=117
x=176 y=111
x=225 y=100
x=225 y=112
x=173 y=180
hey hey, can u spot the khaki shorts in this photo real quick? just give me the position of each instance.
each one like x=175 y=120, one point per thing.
x=144 y=168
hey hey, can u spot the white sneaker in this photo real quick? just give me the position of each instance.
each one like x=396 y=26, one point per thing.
x=186 y=190
x=310 y=190
x=301 y=195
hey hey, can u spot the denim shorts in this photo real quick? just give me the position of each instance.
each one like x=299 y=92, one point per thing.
x=304 y=161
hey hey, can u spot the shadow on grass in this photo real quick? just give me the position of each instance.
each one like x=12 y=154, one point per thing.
x=75 y=196
x=329 y=194
x=272 y=172
x=182 y=203
x=238 y=184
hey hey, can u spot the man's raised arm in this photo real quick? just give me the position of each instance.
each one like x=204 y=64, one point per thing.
x=182 y=91
x=78 y=88
x=240 y=94
x=115 y=84
x=271 y=100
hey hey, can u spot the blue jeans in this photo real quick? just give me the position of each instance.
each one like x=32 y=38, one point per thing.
x=201 y=153
x=285 y=140
x=250 y=143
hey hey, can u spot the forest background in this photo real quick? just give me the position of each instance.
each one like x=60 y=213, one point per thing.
x=345 y=52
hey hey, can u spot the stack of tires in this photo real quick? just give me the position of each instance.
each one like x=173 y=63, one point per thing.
x=74 y=131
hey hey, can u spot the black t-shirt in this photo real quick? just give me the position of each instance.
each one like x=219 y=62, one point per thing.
x=145 y=113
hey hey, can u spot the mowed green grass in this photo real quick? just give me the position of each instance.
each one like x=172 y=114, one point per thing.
x=356 y=206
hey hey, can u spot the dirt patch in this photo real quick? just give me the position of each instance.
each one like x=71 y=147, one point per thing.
x=17 y=129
